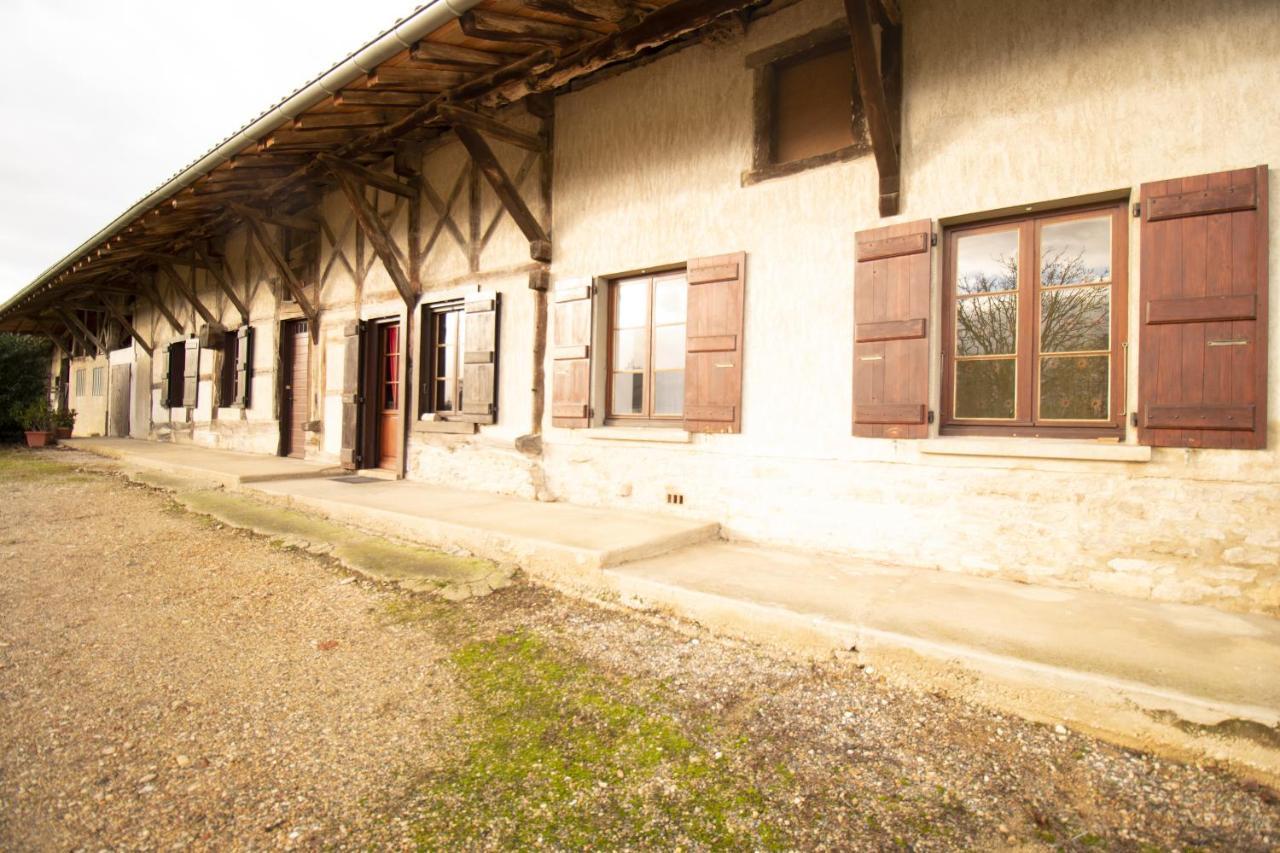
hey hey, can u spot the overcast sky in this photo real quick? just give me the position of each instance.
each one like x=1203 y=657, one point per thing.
x=102 y=102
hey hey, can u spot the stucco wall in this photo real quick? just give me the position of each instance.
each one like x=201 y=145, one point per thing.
x=90 y=408
x=1005 y=105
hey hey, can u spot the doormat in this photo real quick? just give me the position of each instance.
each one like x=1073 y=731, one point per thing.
x=356 y=478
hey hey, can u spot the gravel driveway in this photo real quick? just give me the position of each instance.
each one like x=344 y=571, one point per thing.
x=165 y=682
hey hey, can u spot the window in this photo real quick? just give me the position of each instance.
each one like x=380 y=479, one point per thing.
x=98 y=381
x=1035 y=325
x=647 y=347
x=227 y=375
x=443 y=331
x=80 y=375
x=808 y=110
x=177 y=370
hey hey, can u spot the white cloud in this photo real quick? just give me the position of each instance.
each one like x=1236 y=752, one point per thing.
x=102 y=102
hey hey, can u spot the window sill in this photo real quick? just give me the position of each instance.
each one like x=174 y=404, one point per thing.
x=660 y=435
x=1037 y=448
x=781 y=170
x=449 y=427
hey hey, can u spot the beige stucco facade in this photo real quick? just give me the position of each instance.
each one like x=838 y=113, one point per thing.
x=1005 y=105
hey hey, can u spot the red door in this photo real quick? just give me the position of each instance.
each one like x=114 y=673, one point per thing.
x=388 y=406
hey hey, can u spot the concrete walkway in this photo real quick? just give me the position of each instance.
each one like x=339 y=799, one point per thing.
x=1192 y=680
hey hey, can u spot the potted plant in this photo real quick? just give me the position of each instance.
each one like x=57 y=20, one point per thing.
x=37 y=419
x=64 y=422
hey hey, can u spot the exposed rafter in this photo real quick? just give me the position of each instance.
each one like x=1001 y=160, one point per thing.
x=493 y=26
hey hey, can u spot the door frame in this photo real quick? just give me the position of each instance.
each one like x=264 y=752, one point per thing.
x=285 y=350
x=367 y=433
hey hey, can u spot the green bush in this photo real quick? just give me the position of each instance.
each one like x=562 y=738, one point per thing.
x=24 y=378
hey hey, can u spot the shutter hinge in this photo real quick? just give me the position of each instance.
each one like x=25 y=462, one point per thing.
x=929 y=417
x=1137 y=209
x=933 y=238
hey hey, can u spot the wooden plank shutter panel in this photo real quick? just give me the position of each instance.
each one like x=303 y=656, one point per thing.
x=244 y=365
x=164 y=378
x=191 y=372
x=891 y=331
x=1202 y=368
x=480 y=358
x=713 y=344
x=571 y=354
x=351 y=402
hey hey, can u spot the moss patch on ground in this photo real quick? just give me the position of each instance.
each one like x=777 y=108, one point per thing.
x=22 y=464
x=561 y=755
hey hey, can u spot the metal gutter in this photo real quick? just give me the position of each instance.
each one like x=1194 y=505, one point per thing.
x=404 y=34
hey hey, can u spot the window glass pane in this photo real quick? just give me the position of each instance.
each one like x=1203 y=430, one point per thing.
x=1075 y=319
x=629 y=350
x=985 y=389
x=669 y=300
x=1077 y=251
x=668 y=392
x=444 y=396
x=1075 y=388
x=632 y=309
x=987 y=325
x=987 y=263
x=668 y=348
x=628 y=393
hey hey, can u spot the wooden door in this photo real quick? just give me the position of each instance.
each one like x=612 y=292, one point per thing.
x=388 y=390
x=295 y=362
x=121 y=390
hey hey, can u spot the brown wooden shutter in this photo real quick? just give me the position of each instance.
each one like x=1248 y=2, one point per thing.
x=1202 y=367
x=480 y=358
x=351 y=402
x=164 y=378
x=571 y=354
x=191 y=372
x=891 y=290
x=713 y=344
x=244 y=365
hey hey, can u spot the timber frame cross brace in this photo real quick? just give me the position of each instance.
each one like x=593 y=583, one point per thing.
x=880 y=86
x=120 y=318
x=257 y=227
x=352 y=178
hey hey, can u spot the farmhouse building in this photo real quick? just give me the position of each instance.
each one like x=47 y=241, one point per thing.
x=978 y=287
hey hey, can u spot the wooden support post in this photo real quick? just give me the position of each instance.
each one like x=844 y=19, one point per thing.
x=875 y=105
x=189 y=293
x=153 y=296
x=119 y=317
x=217 y=273
x=268 y=246
x=73 y=322
x=373 y=227
x=482 y=155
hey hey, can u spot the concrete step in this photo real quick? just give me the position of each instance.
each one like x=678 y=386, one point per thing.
x=1193 y=681
x=221 y=467
x=543 y=538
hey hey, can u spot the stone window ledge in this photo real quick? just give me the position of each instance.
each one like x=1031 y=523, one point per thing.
x=1037 y=448
x=450 y=427
x=661 y=435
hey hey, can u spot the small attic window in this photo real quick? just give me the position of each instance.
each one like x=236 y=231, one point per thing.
x=807 y=109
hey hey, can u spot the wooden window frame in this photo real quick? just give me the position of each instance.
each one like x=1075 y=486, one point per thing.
x=227 y=372
x=764 y=64
x=177 y=351
x=81 y=381
x=1026 y=421
x=646 y=419
x=427 y=404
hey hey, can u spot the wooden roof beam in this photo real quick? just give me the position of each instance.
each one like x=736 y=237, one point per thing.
x=452 y=57
x=609 y=11
x=119 y=317
x=72 y=321
x=189 y=292
x=258 y=229
x=377 y=180
x=326 y=121
x=493 y=26
x=880 y=116
x=378 y=98
x=414 y=79
x=493 y=128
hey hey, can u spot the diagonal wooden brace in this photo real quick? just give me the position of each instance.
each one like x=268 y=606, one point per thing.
x=268 y=246
x=149 y=292
x=189 y=293
x=482 y=155
x=119 y=317
x=875 y=104
x=381 y=240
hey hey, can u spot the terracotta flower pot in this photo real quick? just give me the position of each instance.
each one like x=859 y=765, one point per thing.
x=38 y=438
x=62 y=432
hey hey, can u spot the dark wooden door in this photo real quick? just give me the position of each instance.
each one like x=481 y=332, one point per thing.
x=295 y=361
x=388 y=395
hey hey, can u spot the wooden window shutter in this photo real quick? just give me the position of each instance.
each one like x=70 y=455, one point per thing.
x=713 y=344
x=353 y=336
x=244 y=365
x=191 y=372
x=480 y=358
x=571 y=354
x=891 y=289
x=164 y=378
x=1202 y=368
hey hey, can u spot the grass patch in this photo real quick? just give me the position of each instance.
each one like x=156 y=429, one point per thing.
x=20 y=464
x=559 y=755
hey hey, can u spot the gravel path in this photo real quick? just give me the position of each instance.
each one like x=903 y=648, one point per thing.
x=167 y=683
